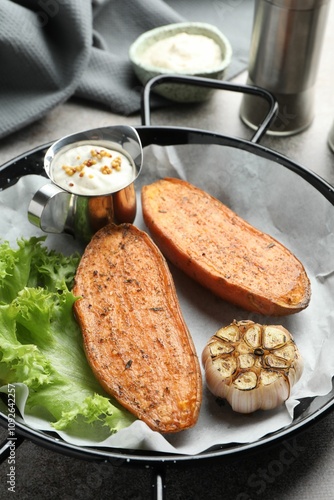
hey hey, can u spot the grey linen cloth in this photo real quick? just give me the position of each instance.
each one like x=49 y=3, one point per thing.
x=51 y=50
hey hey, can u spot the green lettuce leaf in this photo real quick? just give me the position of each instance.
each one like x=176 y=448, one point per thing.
x=41 y=343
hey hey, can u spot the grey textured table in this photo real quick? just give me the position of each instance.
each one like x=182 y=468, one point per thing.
x=298 y=468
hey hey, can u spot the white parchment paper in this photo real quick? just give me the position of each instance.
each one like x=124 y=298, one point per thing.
x=273 y=199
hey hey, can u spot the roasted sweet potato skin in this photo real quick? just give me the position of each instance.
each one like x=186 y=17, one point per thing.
x=223 y=252
x=134 y=334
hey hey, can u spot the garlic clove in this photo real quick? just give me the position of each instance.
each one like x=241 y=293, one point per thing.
x=252 y=366
x=230 y=333
x=252 y=336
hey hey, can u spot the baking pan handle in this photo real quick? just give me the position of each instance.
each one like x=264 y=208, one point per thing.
x=7 y=446
x=158 y=483
x=215 y=84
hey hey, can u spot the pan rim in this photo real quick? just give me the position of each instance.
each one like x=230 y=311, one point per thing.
x=161 y=135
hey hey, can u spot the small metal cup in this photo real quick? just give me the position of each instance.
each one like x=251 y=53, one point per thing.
x=55 y=210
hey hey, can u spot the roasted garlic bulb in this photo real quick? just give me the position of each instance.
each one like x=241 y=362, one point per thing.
x=252 y=366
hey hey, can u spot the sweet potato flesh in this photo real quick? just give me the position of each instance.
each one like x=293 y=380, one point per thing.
x=135 y=337
x=223 y=252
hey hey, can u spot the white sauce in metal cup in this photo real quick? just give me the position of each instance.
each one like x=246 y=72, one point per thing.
x=92 y=170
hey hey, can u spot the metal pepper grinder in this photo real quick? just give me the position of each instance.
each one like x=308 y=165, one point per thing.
x=284 y=55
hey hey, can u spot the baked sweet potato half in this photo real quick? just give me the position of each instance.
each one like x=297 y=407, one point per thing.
x=223 y=252
x=135 y=337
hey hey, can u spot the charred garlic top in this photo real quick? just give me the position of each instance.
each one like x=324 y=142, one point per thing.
x=253 y=366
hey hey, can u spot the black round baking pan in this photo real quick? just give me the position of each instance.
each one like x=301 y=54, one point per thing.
x=308 y=411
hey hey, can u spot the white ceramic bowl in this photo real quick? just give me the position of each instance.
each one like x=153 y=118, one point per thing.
x=180 y=92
